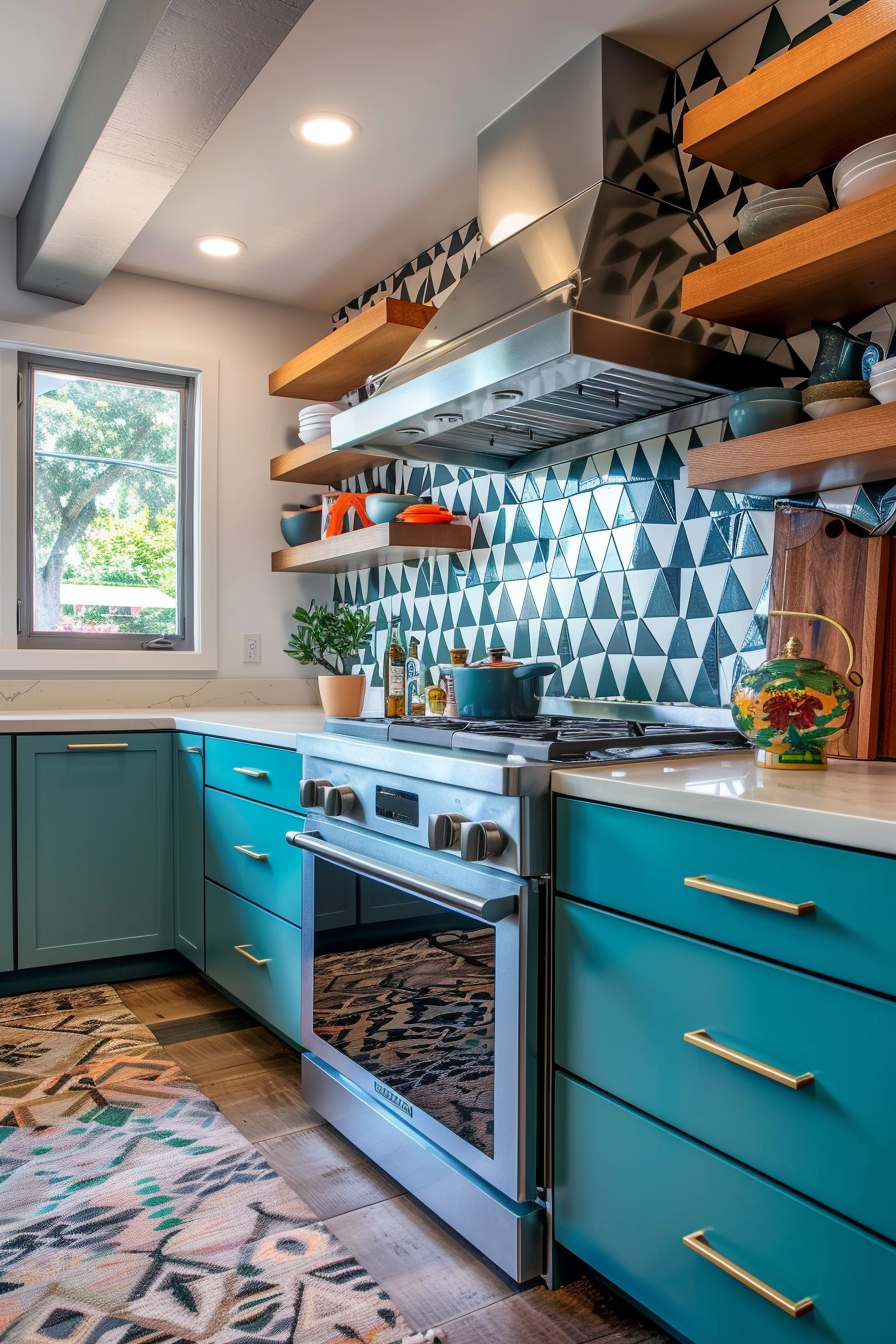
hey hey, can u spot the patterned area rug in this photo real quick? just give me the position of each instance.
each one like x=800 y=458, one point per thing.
x=133 y=1212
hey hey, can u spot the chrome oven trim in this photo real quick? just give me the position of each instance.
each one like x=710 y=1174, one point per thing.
x=512 y=1169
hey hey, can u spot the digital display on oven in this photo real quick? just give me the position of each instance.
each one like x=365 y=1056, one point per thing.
x=395 y=805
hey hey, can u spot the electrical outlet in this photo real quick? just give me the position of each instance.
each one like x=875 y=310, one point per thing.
x=251 y=648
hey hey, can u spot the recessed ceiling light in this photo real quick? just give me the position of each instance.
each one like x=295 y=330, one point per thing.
x=215 y=246
x=325 y=128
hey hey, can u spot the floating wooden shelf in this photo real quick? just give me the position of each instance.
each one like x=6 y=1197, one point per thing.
x=370 y=343
x=841 y=263
x=369 y=547
x=318 y=463
x=814 y=455
x=807 y=107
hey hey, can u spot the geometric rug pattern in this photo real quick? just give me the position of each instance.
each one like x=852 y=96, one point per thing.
x=133 y=1212
x=610 y=566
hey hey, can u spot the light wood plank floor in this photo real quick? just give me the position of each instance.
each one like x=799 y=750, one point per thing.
x=435 y=1279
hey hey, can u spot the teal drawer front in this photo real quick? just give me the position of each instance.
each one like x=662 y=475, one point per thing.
x=627 y=993
x=266 y=774
x=627 y=1190
x=6 y=942
x=272 y=988
x=235 y=830
x=636 y=862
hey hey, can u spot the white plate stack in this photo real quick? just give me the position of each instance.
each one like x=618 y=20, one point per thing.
x=883 y=380
x=314 y=421
x=868 y=169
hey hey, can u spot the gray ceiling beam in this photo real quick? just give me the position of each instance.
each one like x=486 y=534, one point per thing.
x=157 y=79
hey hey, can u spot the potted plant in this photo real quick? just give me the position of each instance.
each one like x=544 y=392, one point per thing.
x=333 y=639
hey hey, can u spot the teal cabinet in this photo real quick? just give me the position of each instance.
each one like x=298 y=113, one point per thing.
x=629 y=994
x=94 y=846
x=637 y=862
x=7 y=950
x=256 y=958
x=247 y=852
x=266 y=774
x=189 y=844
x=628 y=1190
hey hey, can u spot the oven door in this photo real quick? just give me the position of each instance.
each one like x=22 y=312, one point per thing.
x=419 y=986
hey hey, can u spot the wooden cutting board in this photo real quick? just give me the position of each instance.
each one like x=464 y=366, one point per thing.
x=825 y=563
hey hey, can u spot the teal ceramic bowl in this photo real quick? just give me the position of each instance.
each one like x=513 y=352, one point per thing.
x=764 y=408
x=386 y=508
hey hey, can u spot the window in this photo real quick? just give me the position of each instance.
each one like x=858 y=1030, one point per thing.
x=106 y=486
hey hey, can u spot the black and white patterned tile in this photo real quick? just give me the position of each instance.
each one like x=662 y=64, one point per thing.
x=611 y=566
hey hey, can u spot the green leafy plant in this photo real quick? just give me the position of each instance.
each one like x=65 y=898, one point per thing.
x=330 y=639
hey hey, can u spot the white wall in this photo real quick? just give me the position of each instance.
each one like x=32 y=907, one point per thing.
x=249 y=338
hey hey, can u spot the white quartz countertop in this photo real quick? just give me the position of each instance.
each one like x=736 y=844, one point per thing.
x=272 y=727
x=852 y=803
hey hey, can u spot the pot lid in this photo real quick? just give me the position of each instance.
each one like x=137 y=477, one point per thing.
x=497 y=657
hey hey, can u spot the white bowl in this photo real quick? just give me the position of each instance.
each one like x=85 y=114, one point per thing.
x=823 y=410
x=885 y=392
x=322 y=408
x=888 y=376
x=863 y=157
x=309 y=435
x=885 y=365
x=868 y=182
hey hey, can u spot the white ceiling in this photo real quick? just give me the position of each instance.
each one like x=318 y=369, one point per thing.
x=41 y=45
x=421 y=77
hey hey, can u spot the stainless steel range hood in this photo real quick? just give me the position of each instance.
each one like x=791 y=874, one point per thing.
x=569 y=323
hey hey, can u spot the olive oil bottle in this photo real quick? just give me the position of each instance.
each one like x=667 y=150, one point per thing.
x=394 y=673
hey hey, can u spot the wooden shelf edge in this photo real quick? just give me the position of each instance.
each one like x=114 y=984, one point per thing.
x=370 y=547
x=841 y=263
x=814 y=455
x=768 y=126
x=316 y=463
x=369 y=343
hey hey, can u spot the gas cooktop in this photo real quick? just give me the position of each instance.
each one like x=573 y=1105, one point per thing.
x=546 y=738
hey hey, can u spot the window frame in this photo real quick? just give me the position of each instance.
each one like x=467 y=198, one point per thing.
x=143 y=375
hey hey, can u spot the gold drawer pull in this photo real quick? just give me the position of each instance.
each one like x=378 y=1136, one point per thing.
x=98 y=746
x=250 y=853
x=247 y=770
x=703 y=1039
x=751 y=897
x=696 y=1241
x=197 y=751
x=256 y=961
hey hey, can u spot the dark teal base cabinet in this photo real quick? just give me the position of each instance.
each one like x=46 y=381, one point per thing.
x=724 y=1137
x=94 y=846
x=7 y=949
x=629 y=1190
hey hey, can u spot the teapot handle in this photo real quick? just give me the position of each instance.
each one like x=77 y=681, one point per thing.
x=852 y=676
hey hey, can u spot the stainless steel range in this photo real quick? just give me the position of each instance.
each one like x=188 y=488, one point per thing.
x=425 y=917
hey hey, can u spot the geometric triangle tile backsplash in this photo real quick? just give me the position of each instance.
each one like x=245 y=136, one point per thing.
x=610 y=566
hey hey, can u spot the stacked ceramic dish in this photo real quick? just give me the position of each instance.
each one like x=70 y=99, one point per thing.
x=882 y=381
x=868 y=169
x=762 y=408
x=314 y=421
x=775 y=212
x=822 y=400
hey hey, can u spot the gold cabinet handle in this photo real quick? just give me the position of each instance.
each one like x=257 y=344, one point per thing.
x=195 y=750
x=704 y=1041
x=256 y=961
x=247 y=770
x=751 y=897
x=696 y=1241
x=250 y=853
x=98 y=746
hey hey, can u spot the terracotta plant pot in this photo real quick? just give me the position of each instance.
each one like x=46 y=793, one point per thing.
x=342 y=697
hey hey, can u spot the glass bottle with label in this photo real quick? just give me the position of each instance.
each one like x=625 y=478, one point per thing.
x=394 y=673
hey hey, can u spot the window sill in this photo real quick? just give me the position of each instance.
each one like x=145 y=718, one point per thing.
x=161 y=662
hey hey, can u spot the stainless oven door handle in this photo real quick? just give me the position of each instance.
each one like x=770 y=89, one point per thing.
x=492 y=909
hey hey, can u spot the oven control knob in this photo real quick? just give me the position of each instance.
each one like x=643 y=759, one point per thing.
x=481 y=840
x=310 y=791
x=338 y=800
x=444 y=830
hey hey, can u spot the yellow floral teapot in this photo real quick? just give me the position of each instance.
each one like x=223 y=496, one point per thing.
x=791 y=707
